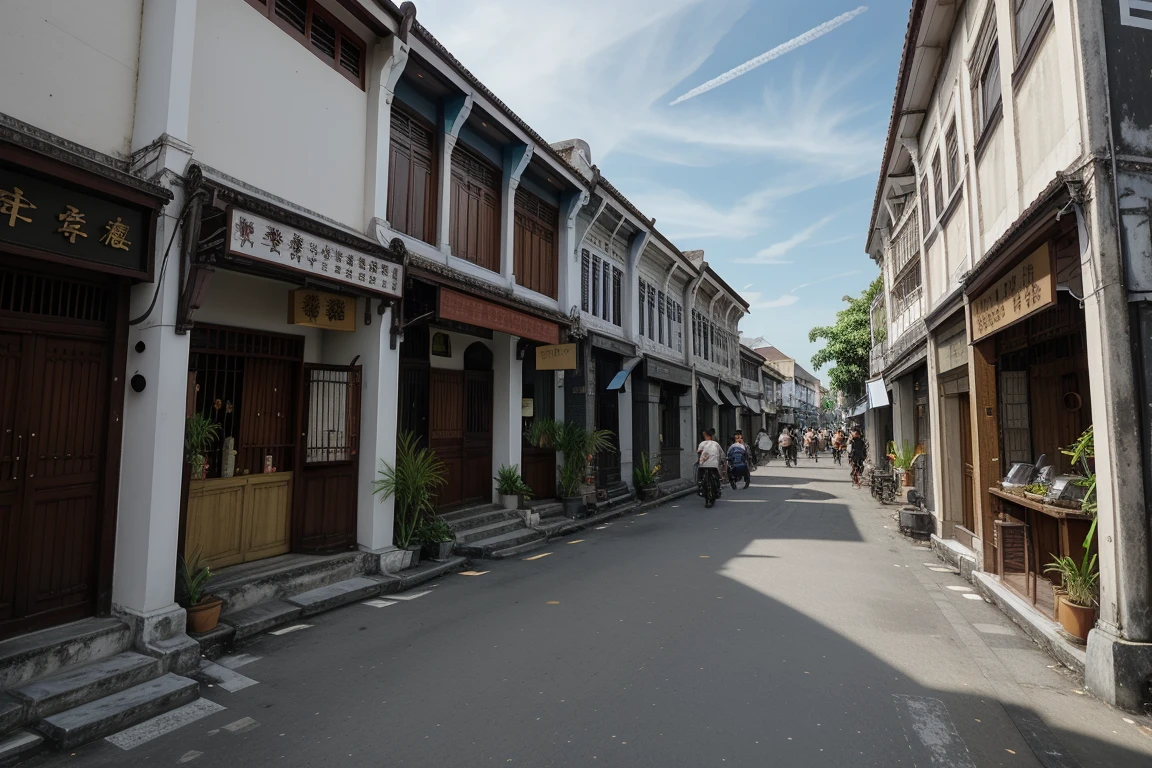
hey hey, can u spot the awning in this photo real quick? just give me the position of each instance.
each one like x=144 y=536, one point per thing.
x=617 y=383
x=730 y=397
x=859 y=410
x=877 y=393
x=709 y=390
x=769 y=408
x=753 y=402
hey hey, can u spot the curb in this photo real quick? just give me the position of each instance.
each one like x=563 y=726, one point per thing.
x=1043 y=632
x=578 y=525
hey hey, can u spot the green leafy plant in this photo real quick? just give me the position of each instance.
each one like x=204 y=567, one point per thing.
x=1081 y=582
x=1040 y=489
x=199 y=434
x=1080 y=452
x=192 y=578
x=644 y=473
x=576 y=445
x=414 y=480
x=849 y=342
x=905 y=456
x=434 y=530
x=510 y=483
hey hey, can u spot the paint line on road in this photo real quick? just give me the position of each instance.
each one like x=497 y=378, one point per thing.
x=412 y=596
x=133 y=737
x=378 y=603
x=243 y=725
x=473 y=573
x=553 y=602
x=293 y=628
x=955 y=588
x=576 y=542
x=537 y=557
x=749 y=501
x=236 y=660
x=973 y=597
x=223 y=677
x=931 y=735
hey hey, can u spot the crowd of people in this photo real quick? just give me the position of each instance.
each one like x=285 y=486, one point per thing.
x=733 y=465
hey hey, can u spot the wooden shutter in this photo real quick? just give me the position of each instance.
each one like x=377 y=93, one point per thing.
x=411 y=186
x=617 y=275
x=536 y=243
x=585 y=273
x=475 y=227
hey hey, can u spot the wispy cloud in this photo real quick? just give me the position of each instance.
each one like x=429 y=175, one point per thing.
x=775 y=253
x=756 y=300
x=775 y=53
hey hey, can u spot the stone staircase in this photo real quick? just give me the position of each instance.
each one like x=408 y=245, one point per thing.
x=68 y=685
x=488 y=530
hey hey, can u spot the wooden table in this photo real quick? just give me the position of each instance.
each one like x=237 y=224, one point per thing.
x=1047 y=532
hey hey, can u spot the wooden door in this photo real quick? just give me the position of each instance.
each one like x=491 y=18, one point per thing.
x=326 y=514
x=411 y=176
x=536 y=243
x=477 y=448
x=446 y=431
x=967 y=481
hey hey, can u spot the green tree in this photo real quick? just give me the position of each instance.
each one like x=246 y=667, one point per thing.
x=849 y=343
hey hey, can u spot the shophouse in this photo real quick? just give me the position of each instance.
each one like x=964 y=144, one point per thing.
x=772 y=401
x=1011 y=226
x=751 y=392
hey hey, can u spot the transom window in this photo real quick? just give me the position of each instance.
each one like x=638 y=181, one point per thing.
x=320 y=32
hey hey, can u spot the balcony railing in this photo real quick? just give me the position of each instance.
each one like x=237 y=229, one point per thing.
x=907 y=312
x=878 y=358
x=906 y=242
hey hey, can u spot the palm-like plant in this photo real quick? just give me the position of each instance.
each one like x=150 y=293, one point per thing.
x=575 y=444
x=414 y=480
x=193 y=578
x=199 y=433
x=1079 y=581
x=905 y=456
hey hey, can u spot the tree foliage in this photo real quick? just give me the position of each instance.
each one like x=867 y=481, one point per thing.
x=848 y=342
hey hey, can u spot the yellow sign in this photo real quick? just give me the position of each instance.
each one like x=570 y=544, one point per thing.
x=1027 y=288
x=321 y=310
x=556 y=357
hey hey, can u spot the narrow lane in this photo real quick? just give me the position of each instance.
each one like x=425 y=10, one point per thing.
x=790 y=625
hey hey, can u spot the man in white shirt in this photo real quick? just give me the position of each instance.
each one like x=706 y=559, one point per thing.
x=709 y=452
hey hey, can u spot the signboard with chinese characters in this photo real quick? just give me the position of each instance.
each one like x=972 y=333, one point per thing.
x=39 y=216
x=316 y=309
x=469 y=309
x=1025 y=289
x=256 y=237
x=556 y=357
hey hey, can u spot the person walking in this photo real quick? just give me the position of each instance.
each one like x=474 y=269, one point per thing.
x=838 y=440
x=857 y=453
x=709 y=453
x=738 y=462
x=787 y=445
x=810 y=444
x=763 y=445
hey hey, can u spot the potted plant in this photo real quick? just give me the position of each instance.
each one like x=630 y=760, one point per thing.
x=575 y=444
x=646 y=478
x=414 y=480
x=437 y=538
x=1077 y=611
x=203 y=610
x=511 y=486
x=199 y=434
x=904 y=459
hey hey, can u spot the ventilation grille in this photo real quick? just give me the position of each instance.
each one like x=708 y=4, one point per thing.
x=32 y=294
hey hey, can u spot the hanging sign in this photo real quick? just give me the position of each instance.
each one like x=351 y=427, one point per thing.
x=556 y=357
x=256 y=237
x=321 y=310
x=1025 y=289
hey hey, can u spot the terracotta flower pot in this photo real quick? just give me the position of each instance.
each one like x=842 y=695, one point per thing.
x=1077 y=620
x=908 y=479
x=204 y=616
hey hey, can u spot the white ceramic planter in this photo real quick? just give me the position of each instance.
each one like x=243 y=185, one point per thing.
x=511 y=502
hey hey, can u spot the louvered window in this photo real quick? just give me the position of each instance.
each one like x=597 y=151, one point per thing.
x=411 y=180
x=617 y=278
x=642 y=294
x=660 y=309
x=585 y=282
x=651 y=311
x=320 y=32
x=596 y=286
x=536 y=243
x=607 y=280
x=475 y=215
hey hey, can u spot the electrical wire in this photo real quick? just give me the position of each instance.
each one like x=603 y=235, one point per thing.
x=164 y=264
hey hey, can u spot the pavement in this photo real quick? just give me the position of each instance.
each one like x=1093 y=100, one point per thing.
x=791 y=625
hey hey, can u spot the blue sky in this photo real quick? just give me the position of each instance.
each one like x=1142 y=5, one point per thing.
x=771 y=174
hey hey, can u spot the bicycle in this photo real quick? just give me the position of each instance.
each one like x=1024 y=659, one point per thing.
x=812 y=452
x=708 y=484
x=837 y=455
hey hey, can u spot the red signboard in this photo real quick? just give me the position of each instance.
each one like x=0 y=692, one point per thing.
x=468 y=309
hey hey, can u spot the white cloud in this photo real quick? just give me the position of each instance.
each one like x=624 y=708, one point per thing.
x=774 y=253
x=756 y=299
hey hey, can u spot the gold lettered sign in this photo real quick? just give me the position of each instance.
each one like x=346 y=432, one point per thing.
x=1027 y=288
x=316 y=309
x=556 y=357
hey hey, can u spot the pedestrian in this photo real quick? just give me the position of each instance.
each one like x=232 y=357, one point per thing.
x=763 y=443
x=857 y=453
x=738 y=462
x=787 y=445
x=709 y=452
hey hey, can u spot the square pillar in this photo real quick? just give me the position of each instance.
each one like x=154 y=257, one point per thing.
x=456 y=113
x=507 y=394
x=516 y=159
x=388 y=59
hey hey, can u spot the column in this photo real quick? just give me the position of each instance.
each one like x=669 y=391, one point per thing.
x=391 y=56
x=456 y=111
x=507 y=394
x=626 y=430
x=148 y=518
x=632 y=289
x=569 y=266
x=516 y=159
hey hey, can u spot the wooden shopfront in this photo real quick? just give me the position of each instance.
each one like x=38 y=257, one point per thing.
x=1031 y=397
x=72 y=242
x=274 y=364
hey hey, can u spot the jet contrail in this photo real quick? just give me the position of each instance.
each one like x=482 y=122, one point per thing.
x=775 y=53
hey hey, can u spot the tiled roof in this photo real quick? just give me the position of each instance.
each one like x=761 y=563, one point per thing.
x=771 y=354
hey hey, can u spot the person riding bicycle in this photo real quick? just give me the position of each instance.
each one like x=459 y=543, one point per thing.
x=857 y=453
x=810 y=444
x=838 y=440
x=787 y=445
x=709 y=452
x=738 y=462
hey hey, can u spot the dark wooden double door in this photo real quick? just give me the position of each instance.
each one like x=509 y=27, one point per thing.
x=460 y=432
x=57 y=490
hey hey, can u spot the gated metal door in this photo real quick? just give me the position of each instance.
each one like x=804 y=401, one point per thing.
x=326 y=513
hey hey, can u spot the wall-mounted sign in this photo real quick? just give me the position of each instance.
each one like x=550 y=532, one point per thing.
x=1025 y=289
x=40 y=216
x=256 y=237
x=441 y=345
x=468 y=309
x=321 y=310
x=556 y=357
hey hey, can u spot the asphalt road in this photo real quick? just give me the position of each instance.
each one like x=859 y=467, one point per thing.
x=791 y=625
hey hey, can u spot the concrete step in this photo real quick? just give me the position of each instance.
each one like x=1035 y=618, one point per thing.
x=465 y=512
x=335 y=595
x=260 y=618
x=547 y=509
x=118 y=711
x=19 y=745
x=520 y=549
x=485 y=547
x=88 y=682
x=484 y=517
x=246 y=585
x=488 y=531
x=11 y=713
x=45 y=653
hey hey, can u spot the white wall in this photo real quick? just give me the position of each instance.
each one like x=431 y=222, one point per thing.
x=1048 y=137
x=268 y=111
x=69 y=68
x=258 y=304
x=460 y=342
